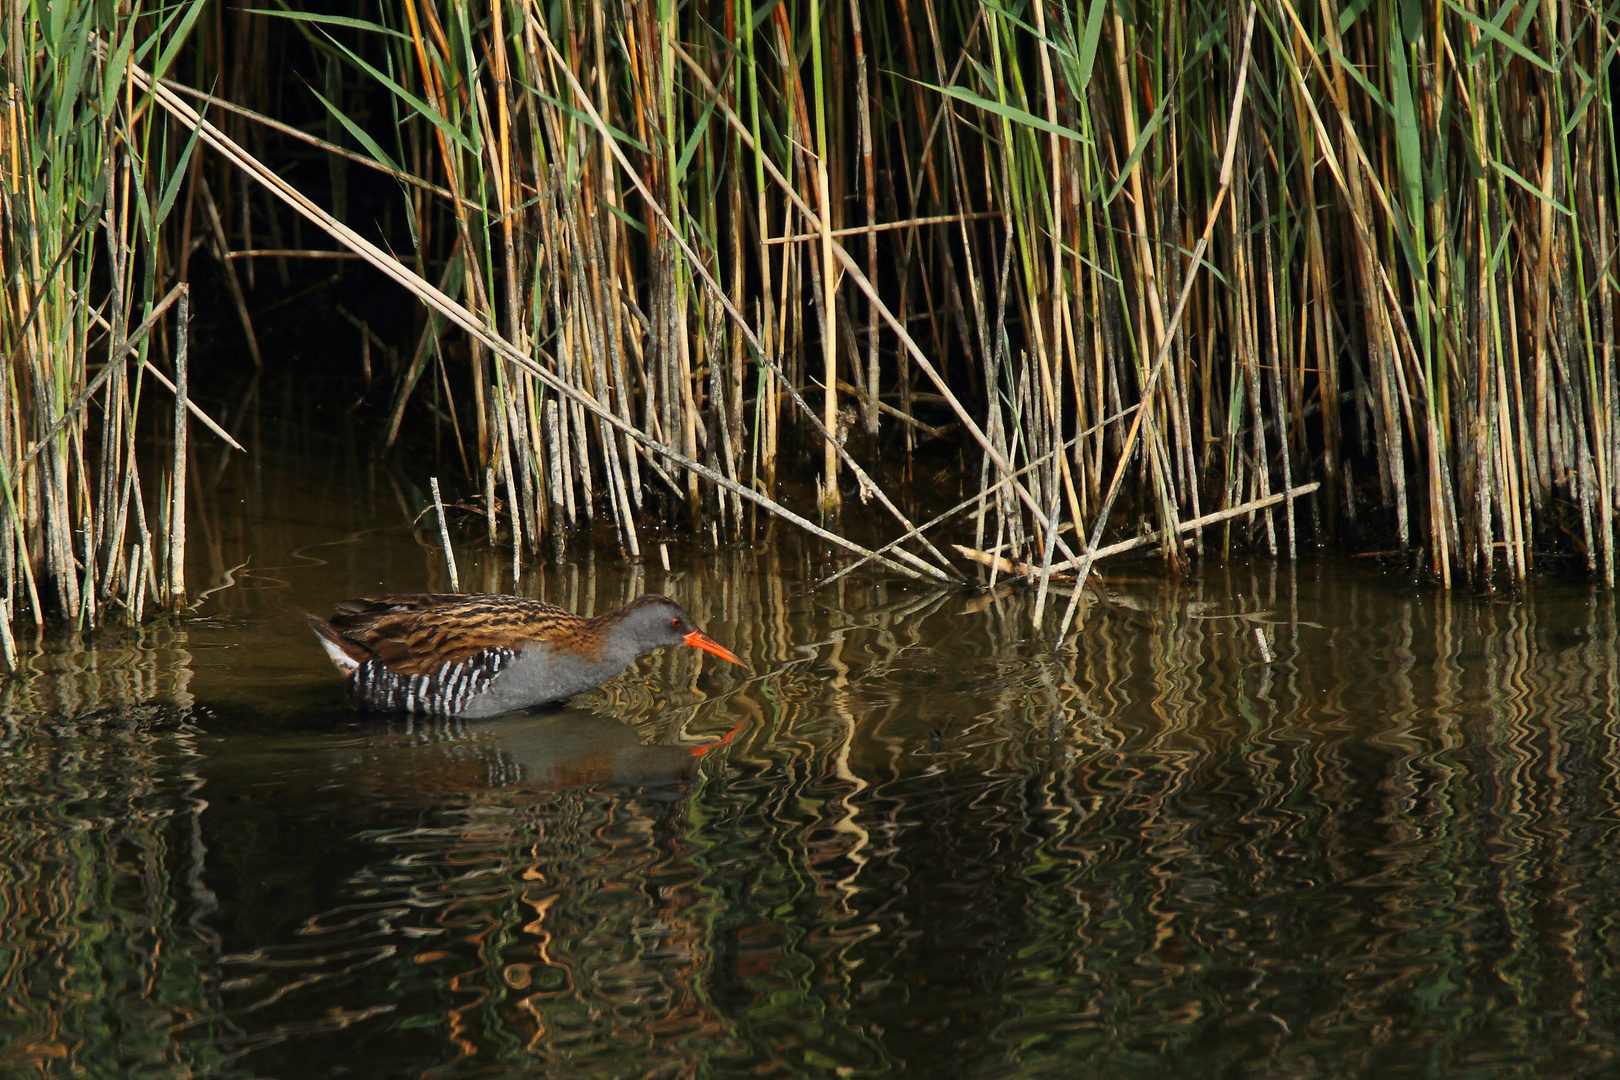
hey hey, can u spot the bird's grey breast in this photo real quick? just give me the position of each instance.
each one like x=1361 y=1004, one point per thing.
x=538 y=674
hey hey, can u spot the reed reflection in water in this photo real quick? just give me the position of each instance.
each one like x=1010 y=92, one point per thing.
x=930 y=842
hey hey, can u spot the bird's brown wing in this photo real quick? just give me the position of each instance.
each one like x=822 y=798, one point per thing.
x=418 y=633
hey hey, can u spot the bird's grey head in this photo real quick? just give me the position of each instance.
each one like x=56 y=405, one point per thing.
x=653 y=622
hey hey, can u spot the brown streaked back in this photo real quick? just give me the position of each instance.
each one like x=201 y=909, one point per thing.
x=417 y=633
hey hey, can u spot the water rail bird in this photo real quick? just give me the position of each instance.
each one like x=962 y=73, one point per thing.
x=477 y=655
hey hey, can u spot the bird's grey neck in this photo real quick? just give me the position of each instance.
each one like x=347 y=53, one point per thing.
x=619 y=651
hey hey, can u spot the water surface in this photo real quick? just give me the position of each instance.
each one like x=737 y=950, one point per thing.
x=909 y=836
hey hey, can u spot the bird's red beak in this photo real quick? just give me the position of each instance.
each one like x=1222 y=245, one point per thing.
x=699 y=640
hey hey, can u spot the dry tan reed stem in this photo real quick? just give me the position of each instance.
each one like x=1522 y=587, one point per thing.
x=489 y=502
x=830 y=500
x=191 y=407
x=87 y=586
x=554 y=468
x=886 y=226
x=1059 y=304
x=177 y=483
x=136 y=598
x=863 y=112
x=291 y=132
x=288 y=253
x=1396 y=326
x=8 y=645
x=946 y=515
x=1016 y=568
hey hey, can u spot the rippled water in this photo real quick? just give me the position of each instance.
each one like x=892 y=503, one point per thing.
x=930 y=843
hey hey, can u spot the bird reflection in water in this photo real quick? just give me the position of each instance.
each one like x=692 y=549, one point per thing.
x=548 y=750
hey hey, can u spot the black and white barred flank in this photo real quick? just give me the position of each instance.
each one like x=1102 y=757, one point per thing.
x=443 y=692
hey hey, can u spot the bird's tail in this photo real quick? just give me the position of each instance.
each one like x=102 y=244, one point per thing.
x=345 y=655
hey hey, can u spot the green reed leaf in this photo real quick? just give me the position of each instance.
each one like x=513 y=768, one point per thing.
x=1361 y=80
x=178 y=38
x=1349 y=15
x=1507 y=171
x=1503 y=38
x=176 y=175
x=333 y=20
x=1088 y=46
x=355 y=130
x=1408 y=153
x=432 y=115
x=1142 y=140
x=1010 y=112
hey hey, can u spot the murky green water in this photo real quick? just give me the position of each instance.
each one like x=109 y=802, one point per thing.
x=931 y=844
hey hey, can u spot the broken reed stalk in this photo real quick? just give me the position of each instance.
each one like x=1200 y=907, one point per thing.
x=177 y=471
x=985 y=558
x=444 y=537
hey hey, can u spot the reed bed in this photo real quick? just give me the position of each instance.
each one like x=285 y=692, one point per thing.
x=1218 y=274
x=92 y=319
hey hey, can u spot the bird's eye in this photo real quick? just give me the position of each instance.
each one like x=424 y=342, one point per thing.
x=675 y=623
